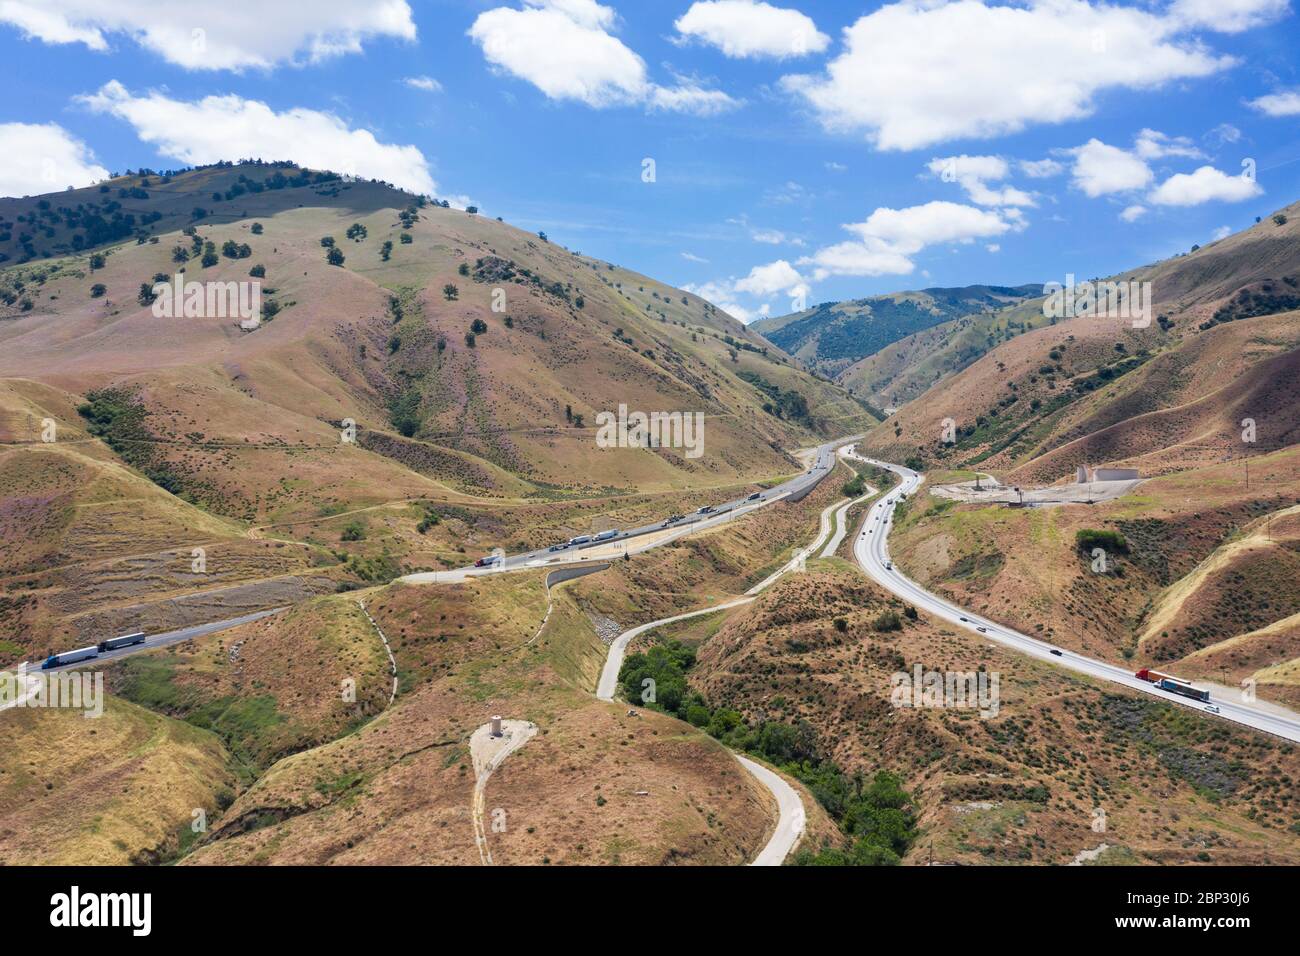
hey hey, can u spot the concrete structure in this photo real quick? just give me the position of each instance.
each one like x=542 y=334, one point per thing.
x=495 y=727
x=1115 y=474
x=1081 y=475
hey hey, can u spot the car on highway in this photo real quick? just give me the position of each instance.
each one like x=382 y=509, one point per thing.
x=1211 y=708
x=672 y=520
x=558 y=547
x=1055 y=652
x=889 y=566
x=756 y=496
x=964 y=620
x=982 y=630
x=488 y=561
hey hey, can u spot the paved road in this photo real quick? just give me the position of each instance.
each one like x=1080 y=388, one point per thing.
x=792 y=818
x=162 y=640
x=790 y=821
x=871 y=549
x=652 y=535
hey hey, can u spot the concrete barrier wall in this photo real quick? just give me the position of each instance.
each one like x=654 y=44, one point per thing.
x=1116 y=474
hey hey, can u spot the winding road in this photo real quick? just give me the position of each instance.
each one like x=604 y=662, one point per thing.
x=791 y=817
x=871 y=550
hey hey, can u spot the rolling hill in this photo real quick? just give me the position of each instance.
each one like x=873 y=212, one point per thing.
x=412 y=359
x=834 y=336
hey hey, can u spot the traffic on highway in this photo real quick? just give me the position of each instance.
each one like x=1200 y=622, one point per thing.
x=871 y=550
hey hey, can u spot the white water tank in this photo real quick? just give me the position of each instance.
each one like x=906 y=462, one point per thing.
x=496 y=726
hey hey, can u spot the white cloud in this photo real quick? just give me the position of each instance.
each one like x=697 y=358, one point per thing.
x=230 y=35
x=426 y=83
x=834 y=167
x=1133 y=213
x=774 y=237
x=1040 y=168
x=722 y=294
x=778 y=276
x=974 y=173
x=763 y=281
x=1222 y=233
x=225 y=127
x=1206 y=184
x=747 y=28
x=1227 y=16
x=563 y=48
x=1223 y=133
x=1152 y=144
x=692 y=257
x=689 y=98
x=994 y=247
x=918 y=73
x=888 y=238
x=1100 y=169
x=1286 y=103
x=44 y=159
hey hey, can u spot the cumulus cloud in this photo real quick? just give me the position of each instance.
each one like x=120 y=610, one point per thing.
x=1286 y=103
x=1100 y=169
x=565 y=49
x=1040 y=168
x=1133 y=213
x=889 y=238
x=914 y=74
x=778 y=276
x=44 y=159
x=224 y=127
x=1206 y=184
x=231 y=35
x=1227 y=16
x=747 y=28
x=974 y=173
x=1152 y=144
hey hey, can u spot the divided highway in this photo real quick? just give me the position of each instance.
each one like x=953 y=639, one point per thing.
x=654 y=535
x=871 y=549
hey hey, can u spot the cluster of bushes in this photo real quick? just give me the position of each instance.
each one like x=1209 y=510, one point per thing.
x=1268 y=299
x=118 y=417
x=1085 y=539
x=783 y=403
x=877 y=816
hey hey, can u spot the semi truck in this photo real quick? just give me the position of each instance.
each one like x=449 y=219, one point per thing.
x=71 y=657
x=126 y=640
x=1175 y=685
x=606 y=535
x=94 y=650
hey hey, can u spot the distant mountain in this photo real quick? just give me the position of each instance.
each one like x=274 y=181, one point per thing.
x=832 y=336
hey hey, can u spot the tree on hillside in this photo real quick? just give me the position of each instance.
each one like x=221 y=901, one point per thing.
x=334 y=257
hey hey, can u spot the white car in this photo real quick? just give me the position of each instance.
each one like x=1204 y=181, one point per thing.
x=1211 y=708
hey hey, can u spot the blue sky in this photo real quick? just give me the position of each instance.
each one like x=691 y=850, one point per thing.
x=808 y=150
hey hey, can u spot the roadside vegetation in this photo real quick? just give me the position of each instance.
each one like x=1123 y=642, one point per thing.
x=876 y=815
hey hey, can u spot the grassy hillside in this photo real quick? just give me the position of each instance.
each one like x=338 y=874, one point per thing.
x=834 y=336
x=432 y=392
